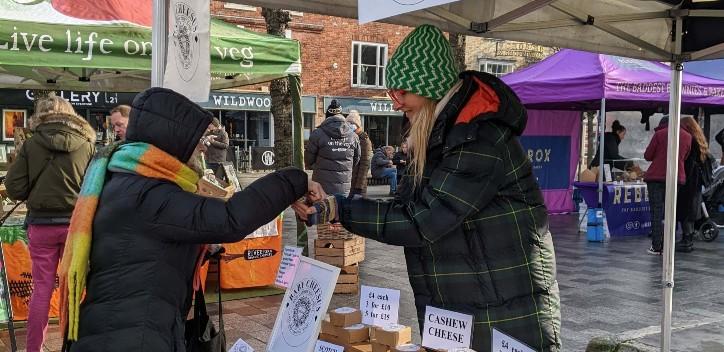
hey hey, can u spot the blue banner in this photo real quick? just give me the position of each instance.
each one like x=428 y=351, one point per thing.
x=627 y=209
x=550 y=156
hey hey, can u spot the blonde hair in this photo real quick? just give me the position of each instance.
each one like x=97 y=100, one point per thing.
x=690 y=124
x=417 y=141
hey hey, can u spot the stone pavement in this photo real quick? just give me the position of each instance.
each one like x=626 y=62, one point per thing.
x=607 y=289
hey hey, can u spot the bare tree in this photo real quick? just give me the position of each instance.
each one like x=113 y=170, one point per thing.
x=277 y=22
x=457 y=41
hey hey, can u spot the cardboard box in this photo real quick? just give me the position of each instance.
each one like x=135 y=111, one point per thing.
x=329 y=328
x=355 y=334
x=392 y=335
x=345 y=316
x=341 y=261
x=358 y=347
x=346 y=288
x=408 y=348
x=208 y=189
x=378 y=347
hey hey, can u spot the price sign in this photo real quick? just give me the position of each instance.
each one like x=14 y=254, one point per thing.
x=288 y=266
x=327 y=347
x=379 y=306
x=505 y=343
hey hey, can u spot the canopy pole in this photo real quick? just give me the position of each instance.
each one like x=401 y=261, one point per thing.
x=159 y=38
x=672 y=172
x=601 y=132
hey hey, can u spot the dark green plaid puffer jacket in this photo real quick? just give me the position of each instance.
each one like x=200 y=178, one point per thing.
x=476 y=231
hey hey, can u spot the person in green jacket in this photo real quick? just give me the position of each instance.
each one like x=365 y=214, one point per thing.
x=47 y=175
x=471 y=214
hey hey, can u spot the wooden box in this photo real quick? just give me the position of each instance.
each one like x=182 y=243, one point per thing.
x=340 y=252
x=392 y=335
x=345 y=316
x=207 y=188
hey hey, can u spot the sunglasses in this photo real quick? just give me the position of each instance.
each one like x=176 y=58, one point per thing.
x=396 y=95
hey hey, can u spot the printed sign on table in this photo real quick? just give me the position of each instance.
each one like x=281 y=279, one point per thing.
x=303 y=308
x=445 y=329
x=505 y=343
x=288 y=265
x=327 y=347
x=379 y=306
x=241 y=346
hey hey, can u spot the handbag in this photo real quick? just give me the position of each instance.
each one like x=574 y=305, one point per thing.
x=201 y=334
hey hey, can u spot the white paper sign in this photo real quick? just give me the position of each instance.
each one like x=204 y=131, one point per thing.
x=188 y=60
x=288 y=265
x=379 y=306
x=607 y=173
x=445 y=329
x=304 y=305
x=373 y=10
x=241 y=346
x=327 y=347
x=505 y=343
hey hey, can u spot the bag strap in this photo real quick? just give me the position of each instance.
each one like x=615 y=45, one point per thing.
x=218 y=289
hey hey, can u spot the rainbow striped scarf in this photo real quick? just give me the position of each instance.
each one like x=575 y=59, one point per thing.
x=138 y=158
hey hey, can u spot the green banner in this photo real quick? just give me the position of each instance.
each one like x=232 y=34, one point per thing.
x=35 y=35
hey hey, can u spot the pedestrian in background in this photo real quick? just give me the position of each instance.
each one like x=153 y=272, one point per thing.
x=688 y=206
x=655 y=177
x=47 y=175
x=119 y=121
x=401 y=159
x=332 y=152
x=384 y=167
x=359 y=174
x=217 y=147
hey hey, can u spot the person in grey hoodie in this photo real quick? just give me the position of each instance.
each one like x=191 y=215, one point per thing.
x=332 y=152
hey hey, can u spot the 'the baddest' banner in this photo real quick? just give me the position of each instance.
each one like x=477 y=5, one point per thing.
x=550 y=156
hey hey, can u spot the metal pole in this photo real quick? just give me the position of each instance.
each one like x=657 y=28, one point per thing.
x=601 y=132
x=159 y=37
x=672 y=172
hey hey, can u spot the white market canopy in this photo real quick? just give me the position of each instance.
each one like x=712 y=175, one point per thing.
x=632 y=28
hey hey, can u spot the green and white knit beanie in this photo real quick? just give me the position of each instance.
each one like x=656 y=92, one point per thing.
x=423 y=64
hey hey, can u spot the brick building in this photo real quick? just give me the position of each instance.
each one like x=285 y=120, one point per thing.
x=341 y=60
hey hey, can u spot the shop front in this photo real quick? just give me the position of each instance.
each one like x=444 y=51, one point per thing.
x=17 y=107
x=248 y=120
x=379 y=120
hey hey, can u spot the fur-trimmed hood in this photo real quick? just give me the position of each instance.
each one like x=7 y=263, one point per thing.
x=61 y=131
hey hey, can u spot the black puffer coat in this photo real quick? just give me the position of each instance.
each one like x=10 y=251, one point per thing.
x=147 y=235
x=475 y=230
x=332 y=152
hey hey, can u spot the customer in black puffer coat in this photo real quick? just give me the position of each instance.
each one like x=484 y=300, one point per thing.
x=147 y=234
x=332 y=152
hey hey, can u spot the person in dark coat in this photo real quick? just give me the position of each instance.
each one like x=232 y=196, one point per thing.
x=688 y=206
x=655 y=177
x=473 y=223
x=401 y=159
x=216 y=147
x=359 y=174
x=148 y=231
x=611 y=141
x=383 y=167
x=332 y=152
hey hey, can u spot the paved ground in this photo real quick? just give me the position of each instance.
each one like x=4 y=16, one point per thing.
x=609 y=288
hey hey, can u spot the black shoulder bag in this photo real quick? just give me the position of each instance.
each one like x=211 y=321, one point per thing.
x=201 y=334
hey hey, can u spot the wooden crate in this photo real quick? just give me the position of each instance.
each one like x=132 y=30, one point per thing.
x=340 y=252
x=341 y=261
x=346 y=288
x=327 y=231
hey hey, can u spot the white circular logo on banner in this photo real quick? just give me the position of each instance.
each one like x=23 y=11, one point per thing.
x=186 y=41
x=267 y=158
x=302 y=312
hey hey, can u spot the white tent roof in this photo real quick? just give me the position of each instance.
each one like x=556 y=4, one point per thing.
x=632 y=28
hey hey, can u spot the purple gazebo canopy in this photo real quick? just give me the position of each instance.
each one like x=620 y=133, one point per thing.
x=578 y=80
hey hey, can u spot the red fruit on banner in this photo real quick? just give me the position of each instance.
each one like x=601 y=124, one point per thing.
x=135 y=11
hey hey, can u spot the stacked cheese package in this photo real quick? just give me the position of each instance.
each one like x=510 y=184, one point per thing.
x=344 y=327
x=336 y=246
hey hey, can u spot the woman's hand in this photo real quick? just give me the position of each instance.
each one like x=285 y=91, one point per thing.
x=303 y=210
x=315 y=192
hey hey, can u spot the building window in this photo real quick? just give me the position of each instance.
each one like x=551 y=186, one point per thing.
x=368 y=65
x=496 y=68
x=308 y=124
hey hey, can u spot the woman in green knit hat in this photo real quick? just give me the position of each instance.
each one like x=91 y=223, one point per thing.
x=470 y=214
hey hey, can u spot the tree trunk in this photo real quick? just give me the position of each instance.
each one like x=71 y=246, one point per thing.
x=457 y=41
x=277 y=22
